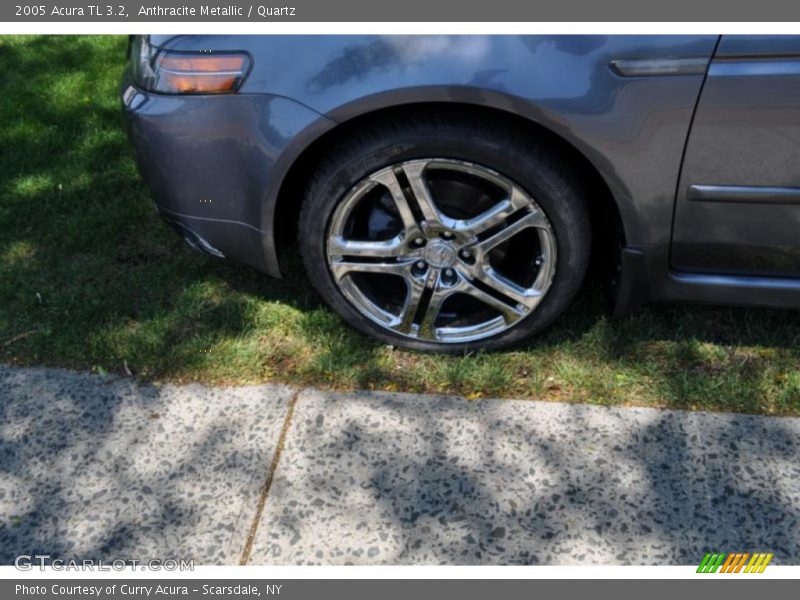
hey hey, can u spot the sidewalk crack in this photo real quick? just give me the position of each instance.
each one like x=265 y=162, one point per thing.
x=265 y=489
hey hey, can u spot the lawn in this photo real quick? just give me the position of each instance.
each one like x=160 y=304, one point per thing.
x=91 y=279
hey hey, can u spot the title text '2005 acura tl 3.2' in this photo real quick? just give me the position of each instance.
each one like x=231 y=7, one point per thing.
x=446 y=192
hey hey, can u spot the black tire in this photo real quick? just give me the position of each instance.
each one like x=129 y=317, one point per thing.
x=516 y=154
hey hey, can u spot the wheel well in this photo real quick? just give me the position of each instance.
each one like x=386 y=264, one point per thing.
x=607 y=226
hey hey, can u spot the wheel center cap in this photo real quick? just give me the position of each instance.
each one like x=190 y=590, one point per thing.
x=440 y=254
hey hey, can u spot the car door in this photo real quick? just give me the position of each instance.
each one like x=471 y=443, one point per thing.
x=738 y=199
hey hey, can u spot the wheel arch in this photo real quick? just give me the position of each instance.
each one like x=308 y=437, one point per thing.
x=281 y=219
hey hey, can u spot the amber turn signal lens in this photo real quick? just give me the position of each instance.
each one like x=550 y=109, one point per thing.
x=196 y=84
x=193 y=74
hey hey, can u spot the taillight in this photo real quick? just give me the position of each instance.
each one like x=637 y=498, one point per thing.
x=187 y=72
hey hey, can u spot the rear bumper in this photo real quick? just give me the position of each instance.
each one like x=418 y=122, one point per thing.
x=215 y=164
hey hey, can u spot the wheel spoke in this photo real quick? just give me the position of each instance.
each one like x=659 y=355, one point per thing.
x=427 y=328
x=532 y=219
x=488 y=219
x=496 y=214
x=342 y=268
x=529 y=298
x=338 y=246
x=415 y=172
x=510 y=313
x=388 y=179
x=416 y=289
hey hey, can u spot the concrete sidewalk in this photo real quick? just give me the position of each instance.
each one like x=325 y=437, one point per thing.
x=107 y=468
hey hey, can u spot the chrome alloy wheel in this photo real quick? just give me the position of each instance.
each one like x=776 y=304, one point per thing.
x=441 y=250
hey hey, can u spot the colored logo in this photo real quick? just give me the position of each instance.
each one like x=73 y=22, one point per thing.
x=734 y=562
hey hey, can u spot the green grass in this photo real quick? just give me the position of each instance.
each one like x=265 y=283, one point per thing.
x=91 y=279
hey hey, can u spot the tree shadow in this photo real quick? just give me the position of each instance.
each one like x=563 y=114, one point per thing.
x=398 y=480
x=104 y=469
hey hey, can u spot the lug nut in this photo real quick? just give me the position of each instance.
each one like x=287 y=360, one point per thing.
x=446 y=235
x=466 y=254
x=420 y=264
x=419 y=241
